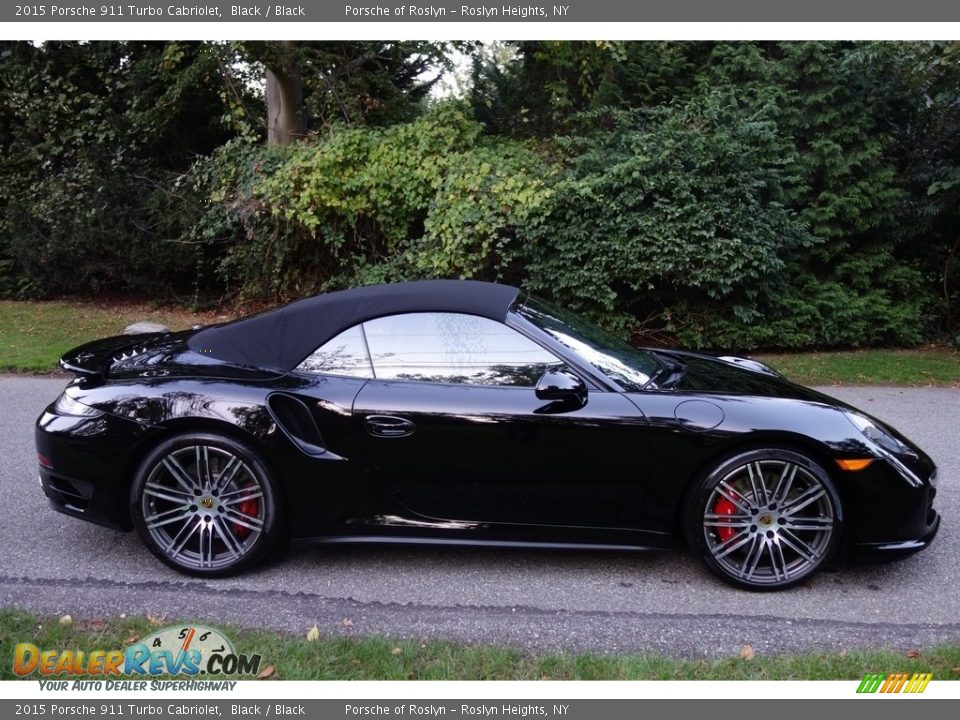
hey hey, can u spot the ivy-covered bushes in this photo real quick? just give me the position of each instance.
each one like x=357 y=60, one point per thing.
x=430 y=198
x=671 y=225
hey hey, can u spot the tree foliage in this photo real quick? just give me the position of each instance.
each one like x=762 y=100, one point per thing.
x=737 y=195
x=93 y=138
x=311 y=85
x=867 y=135
x=665 y=213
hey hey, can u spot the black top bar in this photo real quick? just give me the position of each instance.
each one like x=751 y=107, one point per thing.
x=578 y=11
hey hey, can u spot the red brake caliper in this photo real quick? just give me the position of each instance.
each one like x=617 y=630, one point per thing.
x=724 y=507
x=248 y=507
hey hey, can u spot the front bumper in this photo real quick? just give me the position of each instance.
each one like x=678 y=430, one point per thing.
x=893 y=518
x=884 y=551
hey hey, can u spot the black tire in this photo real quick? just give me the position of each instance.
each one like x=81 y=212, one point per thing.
x=206 y=505
x=764 y=519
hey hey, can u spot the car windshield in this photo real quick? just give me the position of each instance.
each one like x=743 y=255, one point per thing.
x=630 y=367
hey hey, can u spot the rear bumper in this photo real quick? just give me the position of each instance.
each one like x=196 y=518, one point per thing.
x=81 y=499
x=90 y=464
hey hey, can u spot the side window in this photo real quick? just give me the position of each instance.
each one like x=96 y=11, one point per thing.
x=454 y=348
x=346 y=354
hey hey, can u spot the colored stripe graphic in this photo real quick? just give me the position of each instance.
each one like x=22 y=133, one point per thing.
x=871 y=683
x=894 y=682
x=919 y=682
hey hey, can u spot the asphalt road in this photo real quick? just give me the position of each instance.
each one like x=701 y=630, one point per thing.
x=577 y=601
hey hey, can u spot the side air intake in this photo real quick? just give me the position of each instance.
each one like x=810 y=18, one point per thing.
x=295 y=419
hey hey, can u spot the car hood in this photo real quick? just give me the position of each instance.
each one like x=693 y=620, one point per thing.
x=738 y=376
x=735 y=375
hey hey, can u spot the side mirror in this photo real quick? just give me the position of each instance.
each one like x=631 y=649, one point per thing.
x=562 y=386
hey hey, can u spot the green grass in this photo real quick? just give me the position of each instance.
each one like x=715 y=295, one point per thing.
x=33 y=335
x=378 y=658
x=914 y=368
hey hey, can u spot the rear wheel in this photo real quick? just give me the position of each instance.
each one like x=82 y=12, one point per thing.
x=205 y=505
x=765 y=519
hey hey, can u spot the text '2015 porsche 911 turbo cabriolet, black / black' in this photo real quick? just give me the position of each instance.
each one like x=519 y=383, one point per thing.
x=465 y=412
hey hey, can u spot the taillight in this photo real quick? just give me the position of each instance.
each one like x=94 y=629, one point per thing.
x=66 y=405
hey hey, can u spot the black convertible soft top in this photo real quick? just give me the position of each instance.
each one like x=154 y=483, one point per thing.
x=281 y=338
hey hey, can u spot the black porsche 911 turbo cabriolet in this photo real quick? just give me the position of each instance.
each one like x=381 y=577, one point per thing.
x=465 y=412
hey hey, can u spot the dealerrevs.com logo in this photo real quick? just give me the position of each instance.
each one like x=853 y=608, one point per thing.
x=189 y=650
x=895 y=682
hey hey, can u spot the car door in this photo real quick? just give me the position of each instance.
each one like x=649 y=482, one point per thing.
x=452 y=428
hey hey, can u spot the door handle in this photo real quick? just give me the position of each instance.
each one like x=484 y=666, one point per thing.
x=388 y=426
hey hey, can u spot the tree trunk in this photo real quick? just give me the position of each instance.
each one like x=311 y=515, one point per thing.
x=286 y=115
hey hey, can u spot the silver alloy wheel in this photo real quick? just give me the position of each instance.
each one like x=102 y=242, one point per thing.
x=769 y=522
x=203 y=507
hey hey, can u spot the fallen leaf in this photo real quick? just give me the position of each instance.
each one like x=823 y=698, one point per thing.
x=155 y=620
x=267 y=672
x=65 y=620
x=746 y=652
x=313 y=634
x=913 y=653
x=131 y=639
x=347 y=622
x=396 y=651
x=956 y=670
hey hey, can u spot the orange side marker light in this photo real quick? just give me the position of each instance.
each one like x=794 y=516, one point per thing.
x=854 y=465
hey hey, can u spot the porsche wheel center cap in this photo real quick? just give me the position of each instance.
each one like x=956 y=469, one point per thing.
x=207 y=502
x=765 y=520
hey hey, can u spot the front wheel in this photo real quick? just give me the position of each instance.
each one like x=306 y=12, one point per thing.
x=205 y=505
x=764 y=519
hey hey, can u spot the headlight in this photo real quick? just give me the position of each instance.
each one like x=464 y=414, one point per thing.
x=66 y=405
x=877 y=434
